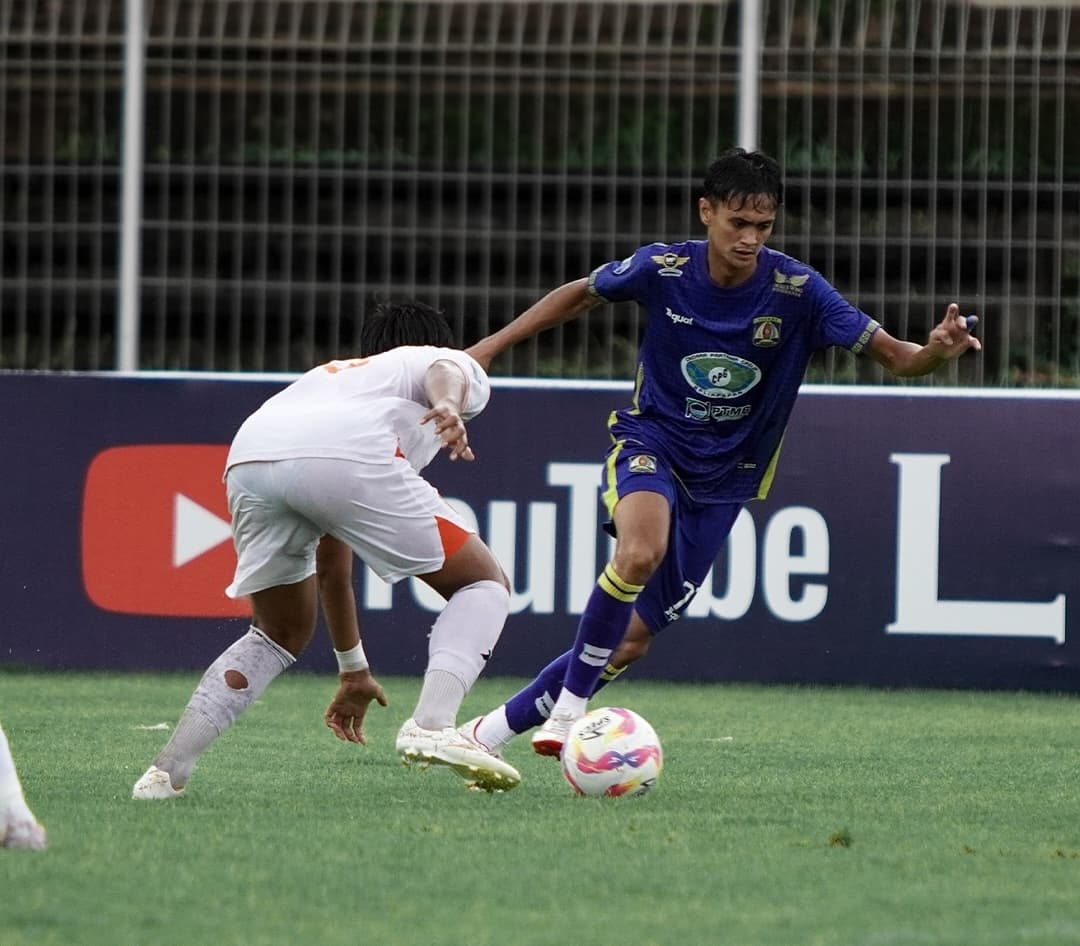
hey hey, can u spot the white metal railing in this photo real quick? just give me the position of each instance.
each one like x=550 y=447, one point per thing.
x=298 y=158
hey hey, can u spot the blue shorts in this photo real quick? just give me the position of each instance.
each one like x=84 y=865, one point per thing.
x=698 y=530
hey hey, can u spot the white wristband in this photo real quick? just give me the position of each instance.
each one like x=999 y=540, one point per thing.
x=352 y=659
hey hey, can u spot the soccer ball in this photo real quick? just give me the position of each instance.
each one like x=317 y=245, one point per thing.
x=610 y=752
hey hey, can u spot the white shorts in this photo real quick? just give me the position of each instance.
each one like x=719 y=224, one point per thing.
x=387 y=513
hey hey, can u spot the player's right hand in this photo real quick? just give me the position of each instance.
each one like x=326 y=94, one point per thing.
x=345 y=714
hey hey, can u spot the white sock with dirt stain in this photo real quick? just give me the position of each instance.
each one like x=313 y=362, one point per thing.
x=230 y=685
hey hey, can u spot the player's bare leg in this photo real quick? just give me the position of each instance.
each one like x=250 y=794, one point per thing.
x=642 y=521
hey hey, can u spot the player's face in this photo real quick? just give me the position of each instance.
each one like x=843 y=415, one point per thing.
x=736 y=231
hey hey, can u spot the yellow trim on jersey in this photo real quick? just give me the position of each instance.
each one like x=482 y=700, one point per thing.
x=610 y=582
x=770 y=471
x=639 y=380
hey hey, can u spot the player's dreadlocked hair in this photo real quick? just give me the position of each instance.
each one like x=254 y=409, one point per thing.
x=739 y=176
x=404 y=323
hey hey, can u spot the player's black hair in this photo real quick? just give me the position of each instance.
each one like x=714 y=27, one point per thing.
x=739 y=176
x=393 y=324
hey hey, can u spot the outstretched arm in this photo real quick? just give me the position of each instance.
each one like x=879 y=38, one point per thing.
x=948 y=340
x=356 y=685
x=560 y=305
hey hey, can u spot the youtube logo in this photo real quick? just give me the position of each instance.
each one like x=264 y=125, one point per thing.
x=155 y=531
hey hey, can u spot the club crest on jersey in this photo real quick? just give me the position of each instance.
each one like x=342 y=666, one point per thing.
x=767 y=331
x=670 y=263
x=715 y=374
x=642 y=463
x=789 y=285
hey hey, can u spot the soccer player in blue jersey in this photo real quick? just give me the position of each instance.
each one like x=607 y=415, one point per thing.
x=730 y=328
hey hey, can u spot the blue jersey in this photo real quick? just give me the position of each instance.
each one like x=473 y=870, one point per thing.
x=719 y=369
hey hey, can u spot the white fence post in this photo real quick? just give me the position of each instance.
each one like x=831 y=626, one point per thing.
x=749 y=73
x=131 y=171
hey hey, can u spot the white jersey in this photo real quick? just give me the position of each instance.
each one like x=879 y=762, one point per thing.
x=365 y=409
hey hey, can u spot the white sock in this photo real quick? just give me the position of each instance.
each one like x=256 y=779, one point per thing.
x=440 y=697
x=570 y=703
x=462 y=639
x=493 y=732
x=11 y=793
x=230 y=685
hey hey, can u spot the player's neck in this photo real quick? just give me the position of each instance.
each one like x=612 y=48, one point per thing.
x=728 y=275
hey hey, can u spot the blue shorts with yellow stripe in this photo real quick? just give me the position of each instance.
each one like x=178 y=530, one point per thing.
x=698 y=530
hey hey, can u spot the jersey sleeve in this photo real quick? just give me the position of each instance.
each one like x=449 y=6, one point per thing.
x=625 y=280
x=839 y=323
x=477 y=384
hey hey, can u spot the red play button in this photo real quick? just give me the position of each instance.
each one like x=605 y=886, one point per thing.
x=155 y=532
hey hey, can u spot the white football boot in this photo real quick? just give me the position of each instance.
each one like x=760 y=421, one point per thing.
x=459 y=752
x=549 y=738
x=155 y=785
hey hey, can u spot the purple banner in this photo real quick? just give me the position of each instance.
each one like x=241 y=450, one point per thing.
x=912 y=537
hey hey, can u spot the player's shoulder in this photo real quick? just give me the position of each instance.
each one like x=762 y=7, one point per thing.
x=663 y=259
x=789 y=275
x=667 y=256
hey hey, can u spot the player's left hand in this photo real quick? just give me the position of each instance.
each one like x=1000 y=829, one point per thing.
x=345 y=714
x=952 y=336
x=450 y=428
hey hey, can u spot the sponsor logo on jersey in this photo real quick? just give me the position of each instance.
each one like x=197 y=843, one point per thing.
x=678 y=319
x=155 y=531
x=767 y=331
x=670 y=263
x=709 y=410
x=642 y=463
x=715 y=374
x=789 y=285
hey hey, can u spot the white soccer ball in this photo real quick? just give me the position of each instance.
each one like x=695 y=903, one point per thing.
x=612 y=751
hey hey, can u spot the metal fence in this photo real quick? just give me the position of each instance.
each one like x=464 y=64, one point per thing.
x=302 y=158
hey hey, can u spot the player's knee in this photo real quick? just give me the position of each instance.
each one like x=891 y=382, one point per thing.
x=292 y=638
x=635 y=562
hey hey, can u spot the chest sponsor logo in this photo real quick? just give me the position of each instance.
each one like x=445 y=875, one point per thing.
x=789 y=285
x=767 y=331
x=670 y=263
x=678 y=319
x=714 y=374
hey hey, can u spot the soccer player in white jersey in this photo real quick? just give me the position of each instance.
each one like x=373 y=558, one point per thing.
x=18 y=826
x=328 y=467
x=730 y=328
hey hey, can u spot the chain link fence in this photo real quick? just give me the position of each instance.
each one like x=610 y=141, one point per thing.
x=303 y=158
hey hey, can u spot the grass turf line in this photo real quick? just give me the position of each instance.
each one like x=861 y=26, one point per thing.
x=784 y=815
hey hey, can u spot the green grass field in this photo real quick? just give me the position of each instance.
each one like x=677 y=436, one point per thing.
x=784 y=815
